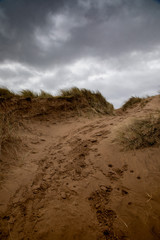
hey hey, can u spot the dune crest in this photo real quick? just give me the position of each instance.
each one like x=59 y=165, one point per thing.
x=64 y=174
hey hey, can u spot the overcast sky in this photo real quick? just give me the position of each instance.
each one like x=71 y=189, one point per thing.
x=108 y=45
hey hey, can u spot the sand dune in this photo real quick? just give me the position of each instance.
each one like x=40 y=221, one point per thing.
x=67 y=178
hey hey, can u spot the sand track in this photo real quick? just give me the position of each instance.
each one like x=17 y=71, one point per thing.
x=74 y=182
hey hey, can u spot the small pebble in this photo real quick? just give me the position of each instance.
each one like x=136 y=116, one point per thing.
x=63 y=195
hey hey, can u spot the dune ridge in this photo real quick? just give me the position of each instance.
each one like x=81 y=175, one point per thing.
x=65 y=174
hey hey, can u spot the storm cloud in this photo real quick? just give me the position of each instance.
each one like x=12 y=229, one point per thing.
x=109 y=45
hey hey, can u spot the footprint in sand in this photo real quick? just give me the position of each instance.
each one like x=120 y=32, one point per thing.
x=124 y=192
x=110 y=165
x=112 y=176
x=119 y=172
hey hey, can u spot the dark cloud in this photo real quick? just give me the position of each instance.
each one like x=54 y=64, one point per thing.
x=46 y=41
x=99 y=28
x=20 y=18
x=157 y=1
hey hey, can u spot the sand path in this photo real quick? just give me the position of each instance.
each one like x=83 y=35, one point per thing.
x=74 y=182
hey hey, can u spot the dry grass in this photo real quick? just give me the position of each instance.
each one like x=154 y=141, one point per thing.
x=5 y=93
x=141 y=133
x=73 y=92
x=132 y=102
x=44 y=94
x=28 y=94
x=10 y=142
x=93 y=99
x=8 y=127
x=82 y=98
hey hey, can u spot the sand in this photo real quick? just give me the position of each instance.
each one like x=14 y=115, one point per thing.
x=70 y=179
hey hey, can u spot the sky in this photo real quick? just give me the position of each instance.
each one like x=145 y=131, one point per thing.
x=108 y=45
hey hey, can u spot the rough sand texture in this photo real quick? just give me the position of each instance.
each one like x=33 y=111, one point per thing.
x=71 y=180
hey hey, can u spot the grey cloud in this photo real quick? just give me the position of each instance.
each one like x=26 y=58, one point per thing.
x=109 y=30
x=49 y=39
x=21 y=18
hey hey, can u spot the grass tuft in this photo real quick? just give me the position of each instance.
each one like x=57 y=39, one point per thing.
x=141 y=133
x=28 y=94
x=94 y=99
x=72 y=92
x=5 y=93
x=131 y=102
x=44 y=94
x=8 y=126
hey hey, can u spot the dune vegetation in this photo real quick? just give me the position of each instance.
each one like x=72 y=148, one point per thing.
x=8 y=128
x=6 y=93
x=94 y=100
x=132 y=102
x=141 y=133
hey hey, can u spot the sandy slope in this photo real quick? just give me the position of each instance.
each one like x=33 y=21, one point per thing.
x=73 y=181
